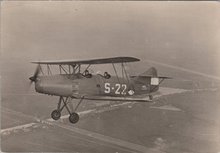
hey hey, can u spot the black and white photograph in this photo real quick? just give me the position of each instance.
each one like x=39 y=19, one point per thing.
x=110 y=76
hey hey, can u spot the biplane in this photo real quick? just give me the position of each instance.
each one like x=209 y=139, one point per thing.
x=75 y=82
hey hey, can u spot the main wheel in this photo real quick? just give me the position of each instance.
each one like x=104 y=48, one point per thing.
x=74 y=118
x=55 y=114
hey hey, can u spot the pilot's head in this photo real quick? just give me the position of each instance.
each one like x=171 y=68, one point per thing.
x=86 y=72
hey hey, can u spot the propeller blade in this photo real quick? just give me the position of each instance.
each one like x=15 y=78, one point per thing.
x=36 y=71
x=34 y=77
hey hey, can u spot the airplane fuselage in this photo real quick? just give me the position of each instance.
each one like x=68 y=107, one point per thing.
x=77 y=85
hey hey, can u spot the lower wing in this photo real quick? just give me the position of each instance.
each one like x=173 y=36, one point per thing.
x=110 y=98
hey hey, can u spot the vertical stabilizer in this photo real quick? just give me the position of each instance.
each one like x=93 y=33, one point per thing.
x=151 y=72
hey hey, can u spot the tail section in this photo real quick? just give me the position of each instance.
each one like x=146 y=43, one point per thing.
x=150 y=79
x=152 y=73
x=148 y=82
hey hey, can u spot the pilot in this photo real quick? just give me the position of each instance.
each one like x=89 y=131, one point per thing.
x=87 y=74
x=107 y=75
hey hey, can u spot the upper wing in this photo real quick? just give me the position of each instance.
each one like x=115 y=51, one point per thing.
x=90 y=61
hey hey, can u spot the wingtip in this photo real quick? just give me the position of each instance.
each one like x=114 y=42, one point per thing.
x=35 y=62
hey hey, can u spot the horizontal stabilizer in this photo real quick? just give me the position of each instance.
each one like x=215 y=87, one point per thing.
x=147 y=76
x=163 y=77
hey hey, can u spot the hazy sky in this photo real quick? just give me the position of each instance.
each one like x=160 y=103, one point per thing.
x=175 y=32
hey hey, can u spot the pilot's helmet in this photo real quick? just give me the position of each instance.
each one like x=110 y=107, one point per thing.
x=106 y=75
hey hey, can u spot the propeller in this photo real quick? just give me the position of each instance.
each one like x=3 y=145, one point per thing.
x=34 y=77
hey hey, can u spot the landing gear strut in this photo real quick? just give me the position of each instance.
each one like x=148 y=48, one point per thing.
x=150 y=97
x=56 y=114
